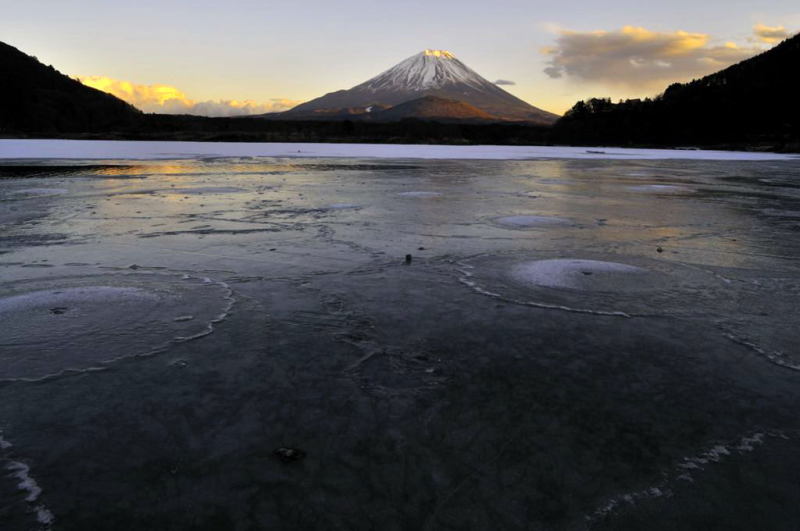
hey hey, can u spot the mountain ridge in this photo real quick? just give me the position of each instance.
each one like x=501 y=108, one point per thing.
x=429 y=73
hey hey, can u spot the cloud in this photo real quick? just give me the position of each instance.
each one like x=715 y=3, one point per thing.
x=770 y=34
x=504 y=82
x=170 y=100
x=637 y=58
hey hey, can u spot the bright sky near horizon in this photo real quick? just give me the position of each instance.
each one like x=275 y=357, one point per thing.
x=244 y=56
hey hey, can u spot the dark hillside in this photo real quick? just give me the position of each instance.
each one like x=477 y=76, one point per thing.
x=755 y=101
x=35 y=97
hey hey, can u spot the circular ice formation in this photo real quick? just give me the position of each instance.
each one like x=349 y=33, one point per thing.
x=80 y=323
x=575 y=274
x=419 y=194
x=521 y=222
x=597 y=283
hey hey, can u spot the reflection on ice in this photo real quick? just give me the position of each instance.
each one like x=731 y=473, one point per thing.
x=39 y=191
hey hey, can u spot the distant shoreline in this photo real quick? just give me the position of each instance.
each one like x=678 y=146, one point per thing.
x=248 y=138
x=82 y=149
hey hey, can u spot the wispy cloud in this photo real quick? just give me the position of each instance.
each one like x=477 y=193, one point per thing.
x=638 y=58
x=170 y=100
x=504 y=82
x=770 y=34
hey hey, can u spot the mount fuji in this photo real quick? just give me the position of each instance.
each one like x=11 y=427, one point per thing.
x=447 y=88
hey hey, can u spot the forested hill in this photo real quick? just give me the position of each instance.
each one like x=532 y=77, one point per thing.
x=753 y=102
x=35 y=97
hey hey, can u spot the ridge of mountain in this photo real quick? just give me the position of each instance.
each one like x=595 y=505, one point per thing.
x=429 y=73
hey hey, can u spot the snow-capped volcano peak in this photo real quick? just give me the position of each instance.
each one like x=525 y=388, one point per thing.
x=429 y=69
x=436 y=73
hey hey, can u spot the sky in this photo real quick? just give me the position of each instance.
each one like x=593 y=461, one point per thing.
x=252 y=56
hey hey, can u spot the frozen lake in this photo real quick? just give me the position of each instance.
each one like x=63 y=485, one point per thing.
x=576 y=341
x=150 y=150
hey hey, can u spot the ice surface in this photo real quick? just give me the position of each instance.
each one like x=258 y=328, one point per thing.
x=178 y=338
x=143 y=150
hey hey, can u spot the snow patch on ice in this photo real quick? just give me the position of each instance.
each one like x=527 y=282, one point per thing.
x=569 y=273
x=466 y=279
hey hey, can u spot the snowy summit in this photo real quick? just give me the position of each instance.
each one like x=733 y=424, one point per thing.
x=430 y=69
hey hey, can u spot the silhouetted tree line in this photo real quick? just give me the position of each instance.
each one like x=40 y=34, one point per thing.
x=753 y=102
x=38 y=98
x=250 y=129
